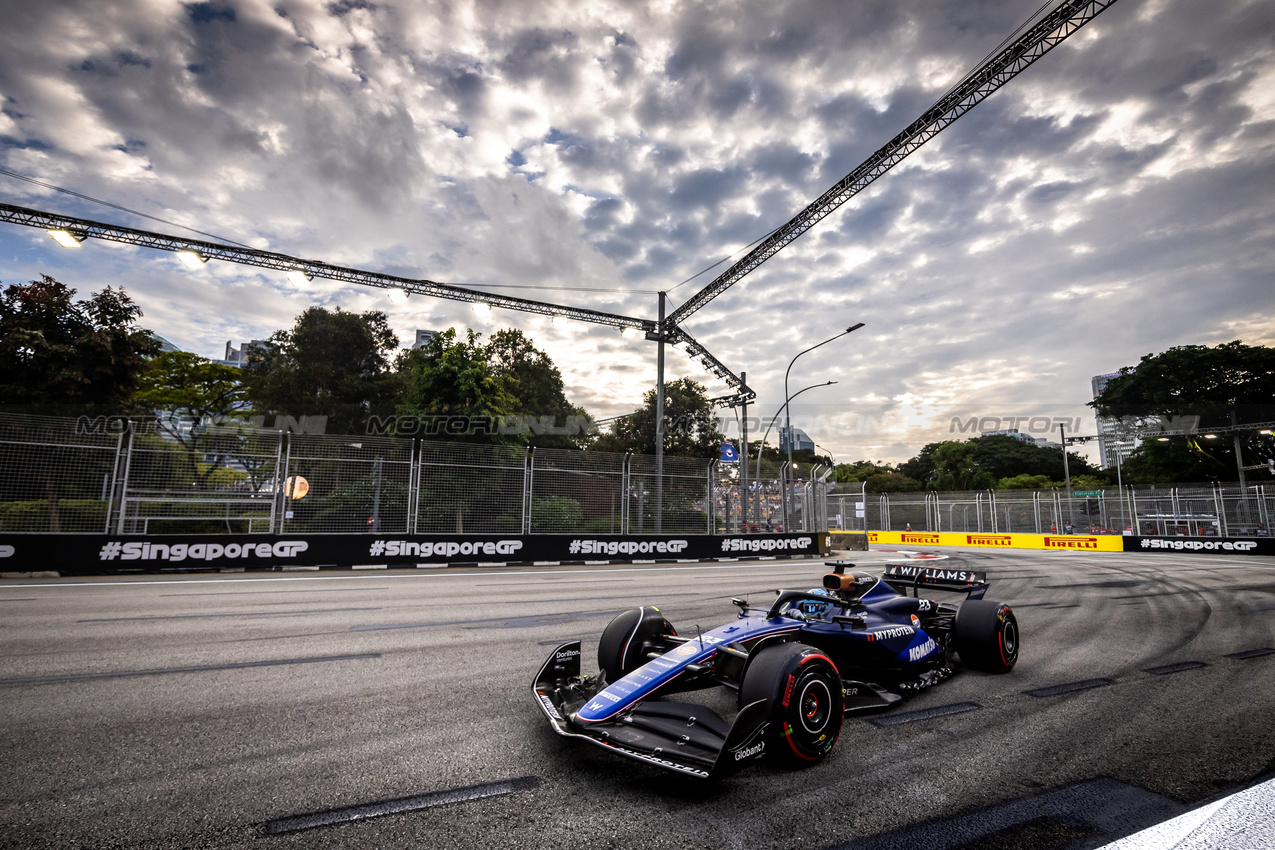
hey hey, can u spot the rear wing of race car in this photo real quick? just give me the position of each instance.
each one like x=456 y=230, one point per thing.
x=904 y=576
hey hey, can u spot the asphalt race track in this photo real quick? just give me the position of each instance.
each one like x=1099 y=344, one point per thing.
x=392 y=709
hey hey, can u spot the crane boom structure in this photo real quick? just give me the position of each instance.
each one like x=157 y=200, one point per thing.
x=83 y=228
x=1045 y=35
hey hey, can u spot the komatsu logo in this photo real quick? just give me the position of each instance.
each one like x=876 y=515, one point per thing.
x=916 y=653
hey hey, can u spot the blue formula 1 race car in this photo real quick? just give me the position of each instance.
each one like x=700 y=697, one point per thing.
x=798 y=666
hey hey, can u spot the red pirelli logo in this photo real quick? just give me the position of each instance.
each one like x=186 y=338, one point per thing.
x=922 y=539
x=872 y=537
x=989 y=540
x=1071 y=542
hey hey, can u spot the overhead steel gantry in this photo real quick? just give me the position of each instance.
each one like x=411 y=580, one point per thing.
x=1039 y=39
x=82 y=229
x=1047 y=33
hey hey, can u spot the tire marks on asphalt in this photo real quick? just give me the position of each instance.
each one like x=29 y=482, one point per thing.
x=1070 y=687
x=434 y=799
x=924 y=714
x=1103 y=809
x=201 y=668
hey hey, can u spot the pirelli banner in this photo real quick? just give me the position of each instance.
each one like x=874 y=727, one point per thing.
x=97 y=554
x=1063 y=542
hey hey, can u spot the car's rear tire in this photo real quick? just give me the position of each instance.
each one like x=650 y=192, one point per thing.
x=804 y=700
x=628 y=638
x=986 y=636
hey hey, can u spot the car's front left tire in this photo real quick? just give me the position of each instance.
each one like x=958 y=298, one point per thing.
x=804 y=700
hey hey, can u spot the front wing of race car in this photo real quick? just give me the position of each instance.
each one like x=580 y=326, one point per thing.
x=682 y=737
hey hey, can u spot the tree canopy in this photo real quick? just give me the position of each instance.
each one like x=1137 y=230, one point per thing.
x=992 y=461
x=331 y=363
x=454 y=377
x=58 y=355
x=690 y=424
x=540 y=396
x=1195 y=380
x=189 y=393
x=1227 y=384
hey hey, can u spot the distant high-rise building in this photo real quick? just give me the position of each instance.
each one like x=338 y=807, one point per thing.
x=800 y=440
x=423 y=337
x=1111 y=443
x=237 y=356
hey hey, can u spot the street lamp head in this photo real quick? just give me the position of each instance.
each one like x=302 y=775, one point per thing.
x=854 y=328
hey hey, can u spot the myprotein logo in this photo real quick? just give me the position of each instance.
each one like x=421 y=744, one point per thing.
x=891 y=633
x=921 y=539
x=200 y=551
x=441 y=548
x=627 y=547
x=1199 y=545
x=747 y=544
x=989 y=540
x=1071 y=542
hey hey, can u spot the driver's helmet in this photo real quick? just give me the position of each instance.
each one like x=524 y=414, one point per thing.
x=814 y=608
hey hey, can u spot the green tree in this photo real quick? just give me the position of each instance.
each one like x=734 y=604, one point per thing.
x=331 y=363
x=63 y=356
x=690 y=425
x=957 y=468
x=1195 y=380
x=861 y=470
x=455 y=377
x=983 y=462
x=890 y=482
x=1027 y=482
x=189 y=394
x=539 y=394
x=1225 y=384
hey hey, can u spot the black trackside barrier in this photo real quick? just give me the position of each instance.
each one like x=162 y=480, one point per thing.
x=98 y=554
x=1202 y=545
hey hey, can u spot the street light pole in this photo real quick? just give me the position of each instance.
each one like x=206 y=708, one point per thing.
x=743 y=483
x=659 y=423
x=761 y=447
x=788 y=408
x=1062 y=435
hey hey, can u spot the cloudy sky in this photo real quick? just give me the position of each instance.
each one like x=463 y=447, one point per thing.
x=1112 y=201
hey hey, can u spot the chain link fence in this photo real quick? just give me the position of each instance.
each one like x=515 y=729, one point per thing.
x=173 y=477
x=178 y=477
x=1223 y=510
x=55 y=477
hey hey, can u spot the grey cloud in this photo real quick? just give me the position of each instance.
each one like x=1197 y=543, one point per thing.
x=1026 y=248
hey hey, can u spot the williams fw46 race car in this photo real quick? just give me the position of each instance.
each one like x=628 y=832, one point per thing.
x=797 y=666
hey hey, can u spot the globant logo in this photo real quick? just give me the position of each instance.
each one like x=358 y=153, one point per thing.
x=1199 y=545
x=199 y=551
x=765 y=544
